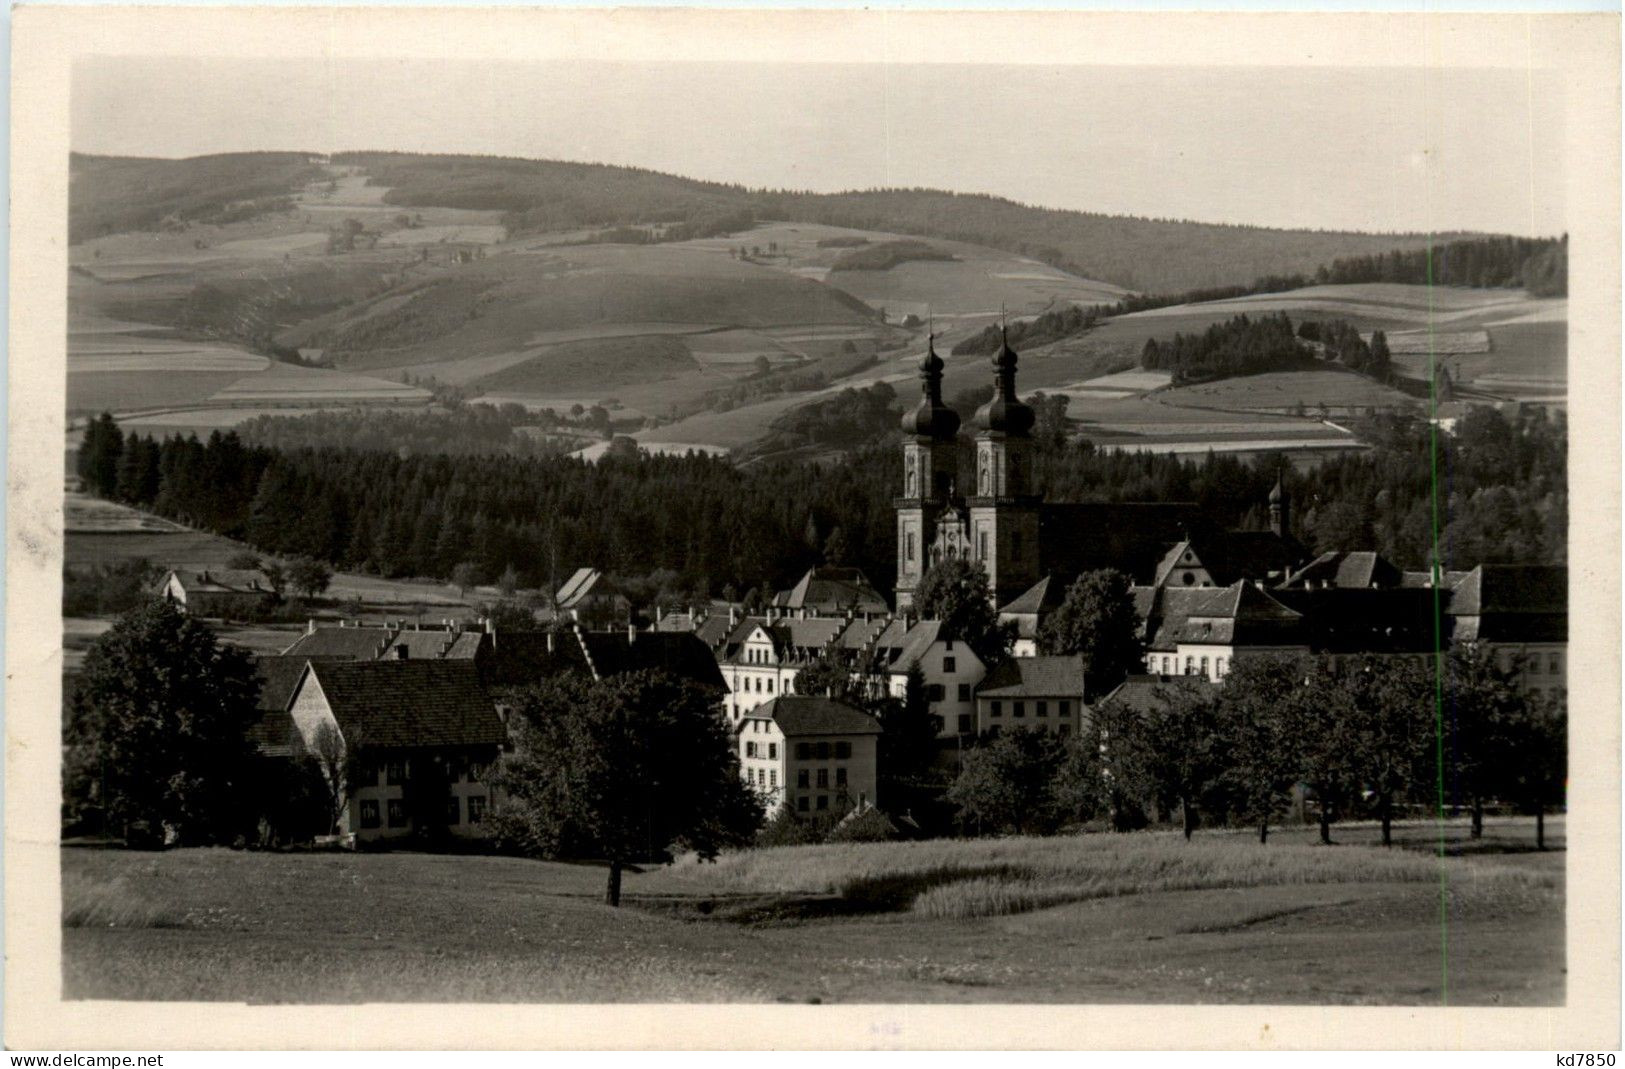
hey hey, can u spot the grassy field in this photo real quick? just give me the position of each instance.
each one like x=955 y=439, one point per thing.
x=1099 y=918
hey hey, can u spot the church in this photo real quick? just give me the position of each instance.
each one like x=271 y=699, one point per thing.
x=1024 y=542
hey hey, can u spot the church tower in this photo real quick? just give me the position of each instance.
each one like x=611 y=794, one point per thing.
x=1003 y=509
x=1280 y=507
x=928 y=475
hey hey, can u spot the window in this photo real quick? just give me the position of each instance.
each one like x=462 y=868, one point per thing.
x=773 y=778
x=1043 y=708
x=821 y=750
x=1204 y=666
x=770 y=686
x=823 y=801
x=998 y=708
x=1065 y=708
x=476 y=808
x=823 y=777
x=397 y=813
x=908 y=546
x=964 y=724
x=964 y=692
x=395 y=773
x=1019 y=710
x=750 y=749
x=802 y=778
x=1218 y=666
x=948 y=665
x=454 y=810
x=1534 y=665
x=934 y=692
x=843 y=750
x=801 y=804
x=1555 y=663
x=803 y=751
x=981 y=545
x=369 y=813
x=772 y=751
x=1190 y=664
x=840 y=777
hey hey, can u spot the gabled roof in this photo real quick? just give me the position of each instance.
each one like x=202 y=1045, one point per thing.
x=1511 y=603
x=1238 y=614
x=832 y=590
x=408 y=704
x=221 y=580
x=1035 y=677
x=517 y=658
x=584 y=583
x=916 y=643
x=1357 y=570
x=1046 y=594
x=792 y=637
x=368 y=643
x=807 y=714
x=1227 y=556
x=1145 y=694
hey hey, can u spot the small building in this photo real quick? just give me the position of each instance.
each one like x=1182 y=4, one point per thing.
x=1028 y=612
x=818 y=755
x=1521 y=614
x=428 y=736
x=760 y=659
x=217 y=593
x=591 y=599
x=1202 y=630
x=1036 y=693
x=832 y=591
x=950 y=670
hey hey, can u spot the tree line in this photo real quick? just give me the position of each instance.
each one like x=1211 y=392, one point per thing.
x=1499 y=483
x=1373 y=740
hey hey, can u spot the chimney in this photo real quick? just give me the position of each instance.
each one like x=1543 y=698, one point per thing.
x=550 y=646
x=733 y=615
x=401 y=653
x=310 y=626
x=490 y=626
x=660 y=614
x=631 y=633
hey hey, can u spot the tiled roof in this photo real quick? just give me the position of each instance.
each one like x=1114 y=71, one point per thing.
x=805 y=714
x=355 y=643
x=1357 y=570
x=585 y=583
x=367 y=643
x=680 y=655
x=409 y=703
x=1511 y=603
x=1145 y=694
x=1048 y=593
x=832 y=590
x=222 y=581
x=1239 y=614
x=1035 y=677
x=1231 y=555
x=916 y=643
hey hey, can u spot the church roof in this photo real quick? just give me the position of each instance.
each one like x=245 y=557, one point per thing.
x=832 y=590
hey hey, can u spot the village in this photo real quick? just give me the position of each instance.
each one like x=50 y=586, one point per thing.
x=796 y=684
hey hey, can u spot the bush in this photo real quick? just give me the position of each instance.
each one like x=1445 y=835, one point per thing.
x=866 y=826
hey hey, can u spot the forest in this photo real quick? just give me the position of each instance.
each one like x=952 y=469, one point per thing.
x=114 y=194
x=1254 y=345
x=1501 y=497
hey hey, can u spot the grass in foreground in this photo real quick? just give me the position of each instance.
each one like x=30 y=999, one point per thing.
x=994 y=877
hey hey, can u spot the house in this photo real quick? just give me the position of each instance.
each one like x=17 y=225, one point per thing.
x=1036 y=693
x=216 y=592
x=832 y=591
x=390 y=640
x=813 y=753
x=519 y=658
x=948 y=668
x=1028 y=611
x=590 y=598
x=760 y=659
x=1202 y=630
x=1521 y=613
x=424 y=732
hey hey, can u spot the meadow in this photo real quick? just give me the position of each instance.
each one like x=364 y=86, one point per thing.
x=1091 y=918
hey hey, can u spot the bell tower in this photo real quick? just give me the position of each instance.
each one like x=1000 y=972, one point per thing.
x=1003 y=509
x=928 y=475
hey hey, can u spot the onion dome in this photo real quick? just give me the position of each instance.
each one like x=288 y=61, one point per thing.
x=1005 y=413
x=1278 y=491
x=931 y=418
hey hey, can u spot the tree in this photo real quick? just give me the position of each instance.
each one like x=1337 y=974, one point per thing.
x=1097 y=621
x=622 y=769
x=276 y=577
x=1380 y=366
x=1258 y=715
x=1182 y=748
x=97 y=463
x=835 y=549
x=157 y=721
x=465 y=576
x=1008 y=784
x=339 y=763
x=1479 y=718
x=1391 y=701
x=309 y=575
x=508 y=582
x=509 y=616
x=1107 y=769
x=955 y=591
x=1329 y=742
x=245 y=561
x=1537 y=772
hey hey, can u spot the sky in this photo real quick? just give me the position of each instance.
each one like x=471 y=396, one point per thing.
x=1347 y=148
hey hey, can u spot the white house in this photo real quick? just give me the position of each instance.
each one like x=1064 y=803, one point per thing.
x=814 y=753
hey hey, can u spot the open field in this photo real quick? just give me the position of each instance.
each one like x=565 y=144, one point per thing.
x=1099 y=918
x=1282 y=390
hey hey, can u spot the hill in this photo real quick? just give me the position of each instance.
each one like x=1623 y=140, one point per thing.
x=1160 y=255
x=114 y=194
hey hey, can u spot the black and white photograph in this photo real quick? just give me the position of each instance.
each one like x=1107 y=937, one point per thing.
x=993 y=513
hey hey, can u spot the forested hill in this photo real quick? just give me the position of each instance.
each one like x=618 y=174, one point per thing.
x=1154 y=255
x=114 y=194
